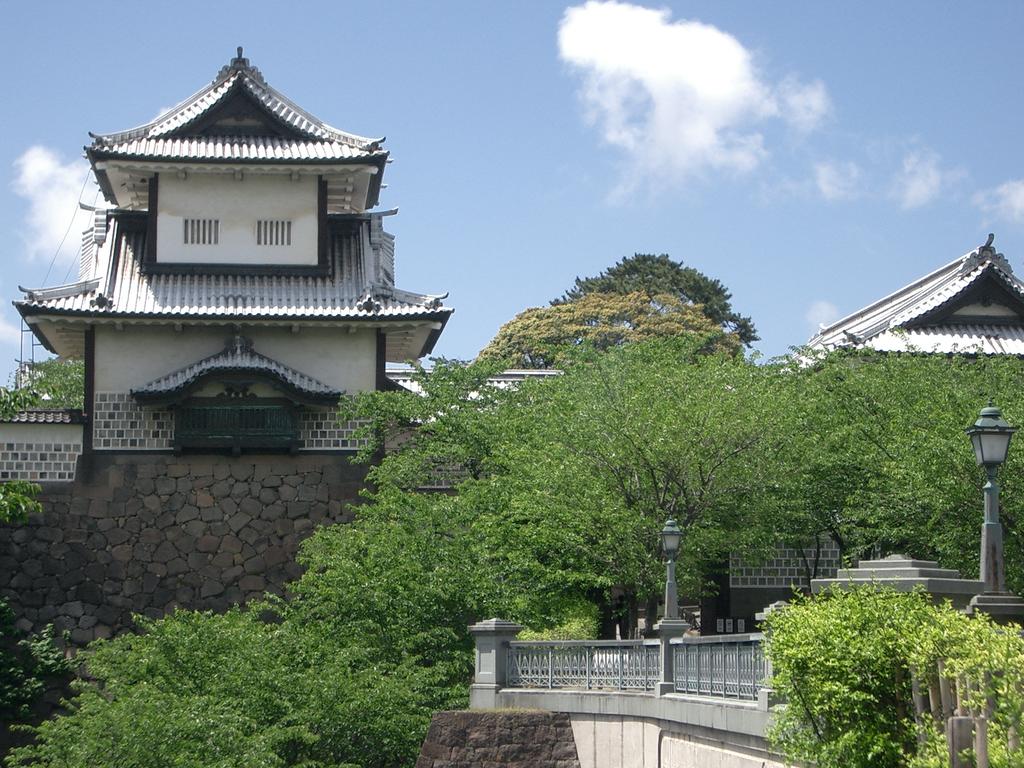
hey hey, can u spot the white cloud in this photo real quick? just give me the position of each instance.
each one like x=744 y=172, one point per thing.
x=1004 y=202
x=804 y=106
x=838 y=181
x=10 y=334
x=922 y=179
x=52 y=189
x=678 y=97
x=821 y=313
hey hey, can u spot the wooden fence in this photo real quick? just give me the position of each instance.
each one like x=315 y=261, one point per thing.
x=945 y=704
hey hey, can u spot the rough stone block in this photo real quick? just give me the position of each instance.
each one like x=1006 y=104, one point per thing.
x=211 y=589
x=208 y=543
x=242 y=470
x=186 y=513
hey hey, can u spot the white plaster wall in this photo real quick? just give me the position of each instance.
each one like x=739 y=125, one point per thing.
x=138 y=354
x=237 y=204
x=41 y=433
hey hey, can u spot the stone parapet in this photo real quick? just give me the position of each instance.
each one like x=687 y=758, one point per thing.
x=500 y=738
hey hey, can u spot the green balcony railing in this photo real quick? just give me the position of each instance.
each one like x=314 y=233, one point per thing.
x=238 y=427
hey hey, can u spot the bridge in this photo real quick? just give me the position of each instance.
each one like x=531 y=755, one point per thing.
x=677 y=702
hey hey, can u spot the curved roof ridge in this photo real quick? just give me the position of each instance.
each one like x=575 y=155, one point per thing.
x=239 y=70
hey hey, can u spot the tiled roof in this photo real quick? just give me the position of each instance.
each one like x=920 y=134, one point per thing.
x=954 y=339
x=894 y=322
x=345 y=292
x=237 y=356
x=47 y=416
x=405 y=377
x=230 y=148
x=238 y=74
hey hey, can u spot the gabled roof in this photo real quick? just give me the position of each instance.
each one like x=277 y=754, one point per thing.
x=929 y=315
x=237 y=119
x=239 y=77
x=237 y=357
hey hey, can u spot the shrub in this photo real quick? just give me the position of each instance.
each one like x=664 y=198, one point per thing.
x=27 y=664
x=844 y=663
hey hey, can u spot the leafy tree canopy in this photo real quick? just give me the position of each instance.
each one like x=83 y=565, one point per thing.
x=58 y=383
x=657 y=275
x=547 y=337
x=17 y=497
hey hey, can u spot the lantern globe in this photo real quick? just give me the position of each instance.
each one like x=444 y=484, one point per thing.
x=671 y=537
x=990 y=436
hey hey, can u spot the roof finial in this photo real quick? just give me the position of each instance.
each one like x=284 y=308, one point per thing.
x=986 y=253
x=238 y=64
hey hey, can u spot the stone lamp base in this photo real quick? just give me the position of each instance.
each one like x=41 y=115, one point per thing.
x=1003 y=607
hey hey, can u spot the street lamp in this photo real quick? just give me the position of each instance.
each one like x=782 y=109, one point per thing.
x=671 y=627
x=990 y=435
x=670 y=538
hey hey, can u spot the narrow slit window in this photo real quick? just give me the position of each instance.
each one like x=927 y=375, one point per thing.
x=201 y=231
x=273 y=232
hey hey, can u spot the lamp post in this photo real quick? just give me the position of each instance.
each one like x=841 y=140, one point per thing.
x=990 y=435
x=670 y=538
x=671 y=626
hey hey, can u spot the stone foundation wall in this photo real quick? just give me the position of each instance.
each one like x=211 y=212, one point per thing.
x=511 y=739
x=149 y=533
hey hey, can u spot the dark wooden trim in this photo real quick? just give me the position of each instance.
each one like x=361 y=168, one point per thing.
x=322 y=231
x=381 y=383
x=154 y=191
x=376 y=181
x=88 y=405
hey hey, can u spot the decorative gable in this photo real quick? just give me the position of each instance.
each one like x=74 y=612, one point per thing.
x=974 y=304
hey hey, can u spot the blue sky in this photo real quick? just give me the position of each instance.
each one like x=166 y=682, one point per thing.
x=812 y=156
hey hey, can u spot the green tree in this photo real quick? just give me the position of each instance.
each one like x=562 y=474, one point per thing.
x=568 y=480
x=17 y=497
x=547 y=337
x=886 y=462
x=657 y=275
x=27 y=662
x=58 y=383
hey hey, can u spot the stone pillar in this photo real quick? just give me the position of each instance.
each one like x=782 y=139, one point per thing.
x=492 y=639
x=765 y=694
x=668 y=630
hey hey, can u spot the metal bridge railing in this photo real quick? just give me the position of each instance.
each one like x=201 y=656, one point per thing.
x=721 y=666
x=587 y=664
x=725 y=666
